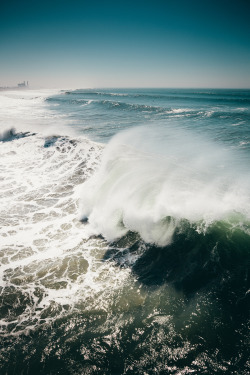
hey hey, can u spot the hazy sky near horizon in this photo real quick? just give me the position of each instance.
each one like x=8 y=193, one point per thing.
x=171 y=43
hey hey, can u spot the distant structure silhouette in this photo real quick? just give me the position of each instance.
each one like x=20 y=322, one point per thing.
x=23 y=84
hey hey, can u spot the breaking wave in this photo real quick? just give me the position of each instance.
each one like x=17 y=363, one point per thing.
x=149 y=182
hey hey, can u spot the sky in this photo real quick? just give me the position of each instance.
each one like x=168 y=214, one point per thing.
x=125 y=43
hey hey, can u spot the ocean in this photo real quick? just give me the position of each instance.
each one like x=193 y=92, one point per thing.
x=125 y=231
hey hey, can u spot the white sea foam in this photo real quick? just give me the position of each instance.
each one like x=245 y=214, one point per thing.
x=27 y=111
x=180 y=110
x=87 y=103
x=149 y=180
x=43 y=245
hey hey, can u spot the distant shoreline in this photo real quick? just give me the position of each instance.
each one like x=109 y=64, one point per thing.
x=13 y=88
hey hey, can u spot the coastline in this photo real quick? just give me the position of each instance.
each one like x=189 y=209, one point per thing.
x=13 y=88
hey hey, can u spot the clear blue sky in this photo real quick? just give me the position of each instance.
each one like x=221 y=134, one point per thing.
x=93 y=43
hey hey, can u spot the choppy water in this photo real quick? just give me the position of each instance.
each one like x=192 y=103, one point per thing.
x=124 y=225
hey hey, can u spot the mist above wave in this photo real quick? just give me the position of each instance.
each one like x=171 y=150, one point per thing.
x=150 y=181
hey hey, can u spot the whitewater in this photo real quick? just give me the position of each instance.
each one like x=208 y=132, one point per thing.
x=124 y=231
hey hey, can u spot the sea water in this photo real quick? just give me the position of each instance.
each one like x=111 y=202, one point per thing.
x=125 y=236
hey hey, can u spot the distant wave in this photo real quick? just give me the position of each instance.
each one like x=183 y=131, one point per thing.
x=200 y=96
x=143 y=107
x=82 y=102
x=130 y=106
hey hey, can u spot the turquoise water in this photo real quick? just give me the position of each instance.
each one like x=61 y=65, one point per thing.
x=102 y=113
x=125 y=232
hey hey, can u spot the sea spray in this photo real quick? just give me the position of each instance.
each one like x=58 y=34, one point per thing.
x=151 y=179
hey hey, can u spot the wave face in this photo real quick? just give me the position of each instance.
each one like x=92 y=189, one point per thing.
x=128 y=256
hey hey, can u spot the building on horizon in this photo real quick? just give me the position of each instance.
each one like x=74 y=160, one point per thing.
x=23 y=84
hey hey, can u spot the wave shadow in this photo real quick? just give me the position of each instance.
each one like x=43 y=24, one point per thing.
x=218 y=261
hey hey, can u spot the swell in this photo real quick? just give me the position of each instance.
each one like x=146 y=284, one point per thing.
x=117 y=105
x=130 y=106
x=235 y=97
